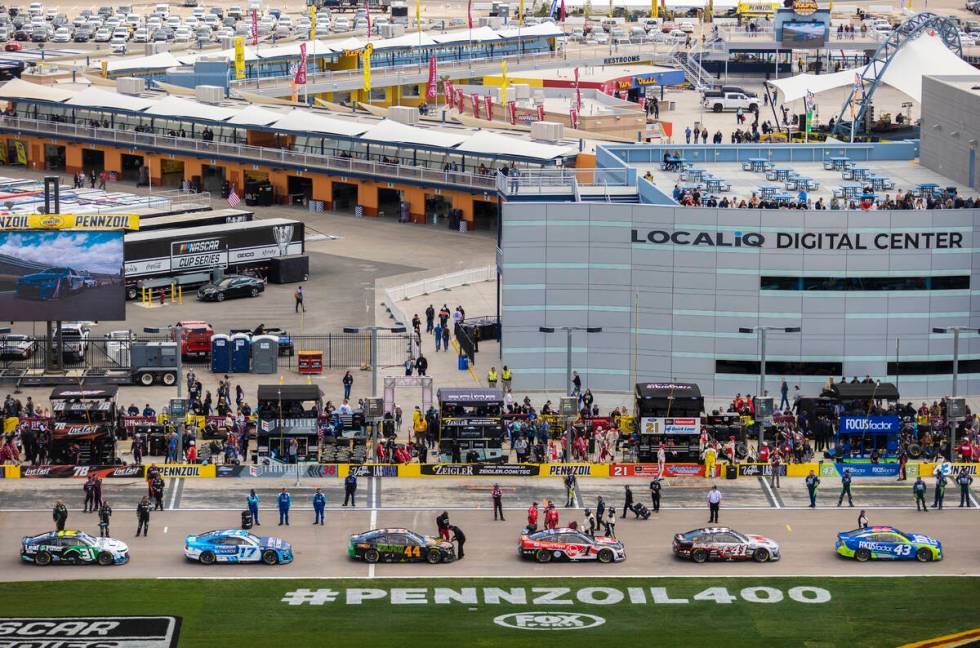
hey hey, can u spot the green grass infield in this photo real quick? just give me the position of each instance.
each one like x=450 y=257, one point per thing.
x=784 y=611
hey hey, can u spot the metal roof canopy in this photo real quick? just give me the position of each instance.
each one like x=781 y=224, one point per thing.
x=289 y=393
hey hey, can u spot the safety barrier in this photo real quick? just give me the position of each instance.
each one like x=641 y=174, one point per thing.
x=408 y=291
x=492 y=471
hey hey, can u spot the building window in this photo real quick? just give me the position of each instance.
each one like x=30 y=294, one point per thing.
x=776 y=367
x=845 y=284
x=931 y=367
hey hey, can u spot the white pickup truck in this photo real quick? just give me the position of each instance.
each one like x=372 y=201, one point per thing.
x=731 y=101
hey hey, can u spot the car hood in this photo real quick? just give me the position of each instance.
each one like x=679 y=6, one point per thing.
x=207 y=288
x=271 y=542
x=761 y=540
x=612 y=542
x=925 y=540
x=111 y=544
x=42 y=276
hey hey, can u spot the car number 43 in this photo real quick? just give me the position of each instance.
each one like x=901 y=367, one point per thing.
x=903 y=550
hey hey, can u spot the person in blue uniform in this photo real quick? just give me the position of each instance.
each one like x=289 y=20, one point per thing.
x=319 y=502
x=284 y=500
x=253 y=506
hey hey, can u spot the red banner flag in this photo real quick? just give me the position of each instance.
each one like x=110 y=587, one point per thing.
x=561 y=14
x=540 y=112
x=300 y=77
x=367 y=11
x=488 y=104
x=255 y=27
x=573 y=118
x=475 y=98
x=432 y=88
x=512 y=110
x=459 y=100
x=447 y=89
x=578 y=93
x=469 y=13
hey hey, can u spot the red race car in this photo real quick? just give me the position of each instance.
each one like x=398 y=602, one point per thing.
x=570 y=544
x=721 y=543
x=12 y=46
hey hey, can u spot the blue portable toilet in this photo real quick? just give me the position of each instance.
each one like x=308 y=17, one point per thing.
x=220 y=353
x=241 y=353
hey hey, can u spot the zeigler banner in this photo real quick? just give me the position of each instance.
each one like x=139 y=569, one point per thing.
x=89 y=222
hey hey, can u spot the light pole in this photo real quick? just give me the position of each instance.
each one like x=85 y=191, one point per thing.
x=568 y=369
x=762 y=357
x=374 y=348
x=956 y=348
x=179 y=333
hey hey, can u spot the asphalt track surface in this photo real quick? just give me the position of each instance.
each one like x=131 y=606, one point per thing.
x=806 y=536
x=101 y=303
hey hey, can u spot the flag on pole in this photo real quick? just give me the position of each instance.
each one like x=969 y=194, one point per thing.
x=233 y=199
x=366 y=63
x=503 y=82
x=301 y=70
x=239 y=58
x=654 y=9
x=255 y=27
x=578 y=93
x=367 y=14
x=809 y=101
x=561 y=14
x=469 y=13
x=475 y=98
x=540 y=112
x=418 y=15
x=432 y=87
x=511 y=110
x=459 y=100
x=312 y=22
x=488 y=104
x=447 y=89
x=573 y=118
x=554 y=9
x=520 y=13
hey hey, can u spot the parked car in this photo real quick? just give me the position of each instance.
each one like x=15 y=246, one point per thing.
x=62 y=35
x=17 y=347
x=12 y=46
x=230 y=287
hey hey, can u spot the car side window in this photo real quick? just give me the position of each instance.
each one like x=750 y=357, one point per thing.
x=397 y=539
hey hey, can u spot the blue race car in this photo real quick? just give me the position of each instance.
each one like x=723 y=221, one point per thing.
x=50 y=283
x=887 y=543
x=237 y=546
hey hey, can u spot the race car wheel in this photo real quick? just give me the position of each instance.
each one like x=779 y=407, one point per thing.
x=70 y=558
x=206 y=558
x=269 y=557
x=760 y=555
x=862 y=555
x=371 y=555
x=254 y=292
x=923 y=555
x=542 y=556
x=605 y=556
x=104 y=559
x=699 y=555
x=433 y=556
x=219 y=297
x=43 y=559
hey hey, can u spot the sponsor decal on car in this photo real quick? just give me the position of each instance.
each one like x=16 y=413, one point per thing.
x=96 y=632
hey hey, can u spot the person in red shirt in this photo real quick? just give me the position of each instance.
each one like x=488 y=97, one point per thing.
x=764 y=453
x=192 y=453
x=551 y=516
x=532 y=515
x=739 y=403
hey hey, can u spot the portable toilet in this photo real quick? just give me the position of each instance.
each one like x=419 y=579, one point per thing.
x=265 y=354
x=241 y=353
x=220 y=353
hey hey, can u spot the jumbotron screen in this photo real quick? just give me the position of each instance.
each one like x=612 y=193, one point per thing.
x=808 y=35
x=61 y=275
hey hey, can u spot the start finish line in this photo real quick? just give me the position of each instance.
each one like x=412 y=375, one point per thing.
x=548 y=595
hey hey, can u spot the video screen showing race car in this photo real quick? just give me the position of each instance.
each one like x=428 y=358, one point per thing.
x=61 y=275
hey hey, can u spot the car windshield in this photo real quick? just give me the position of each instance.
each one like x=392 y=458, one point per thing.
x=54 y=270
x=415 y=537
x=224 y=283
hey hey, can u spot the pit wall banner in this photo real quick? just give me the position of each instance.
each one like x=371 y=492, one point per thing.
x=281 y=471
x=10 y=472
x=828 y=469
x=802 y=470
x=367 y=470
x=205 y=471
x=927 y=469
x=89 y=222
x=653 y=470
x=79 y=472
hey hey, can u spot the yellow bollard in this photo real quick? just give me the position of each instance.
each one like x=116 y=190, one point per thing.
x=180 y=294
x=173 y=294
x=281 y=380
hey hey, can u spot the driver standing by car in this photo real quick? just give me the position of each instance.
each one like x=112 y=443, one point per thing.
x=60 y=515
x=143 y=516
x=459 y=538
x=156 y=487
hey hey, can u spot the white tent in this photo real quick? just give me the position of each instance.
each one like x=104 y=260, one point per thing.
x=541 y=29
x=160 y=61
x=478 y=35
x=255 y=116
x=177 y=108
x=292 y=49
x=489 y=143
x=18 y=89
x=390 y=131
x=305 y=121
x=927 y=54
x=413 y=39
x=95 y=97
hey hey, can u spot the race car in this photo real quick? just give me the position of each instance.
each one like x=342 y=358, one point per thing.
x=73 y=548
x=570 y=544
x=399 y=545
x=237 y=546
x=722 y=543
x=50 y=283
x=887 y=543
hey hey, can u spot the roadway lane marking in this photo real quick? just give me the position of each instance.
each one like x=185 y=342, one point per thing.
x=789 y=528
x=771 y=496
x=165 y=529
x=175 y=494
x=973 y=499
x=373 y=486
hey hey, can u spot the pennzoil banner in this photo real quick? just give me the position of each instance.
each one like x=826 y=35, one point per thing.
x=89 y=222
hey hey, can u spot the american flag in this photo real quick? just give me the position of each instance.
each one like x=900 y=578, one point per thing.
x=233 y=199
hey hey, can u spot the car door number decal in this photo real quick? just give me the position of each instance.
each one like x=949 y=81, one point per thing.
x=903 y=550
x=247 y=552
x=413 y=551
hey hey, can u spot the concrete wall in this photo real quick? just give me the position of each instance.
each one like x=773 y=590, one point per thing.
x=951 y=129
x=670 y=311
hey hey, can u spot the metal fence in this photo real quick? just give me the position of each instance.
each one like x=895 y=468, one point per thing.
x=340 y=351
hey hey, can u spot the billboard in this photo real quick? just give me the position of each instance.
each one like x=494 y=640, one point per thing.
x=804 y=35
x=870 y=425
x=61 y=275
x=668 y=426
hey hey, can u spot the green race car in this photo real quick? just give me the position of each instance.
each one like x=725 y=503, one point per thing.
x=887 y=543
x=72 y=548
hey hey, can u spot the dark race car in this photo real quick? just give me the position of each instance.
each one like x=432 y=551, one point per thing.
x=72 y=548
x=51 y=283
x=570 y=544
x=722 y=543
x=399 y=545
x=230 y=287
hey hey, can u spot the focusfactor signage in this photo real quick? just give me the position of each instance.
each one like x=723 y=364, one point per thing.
x=875 y=424
x=803 y=240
